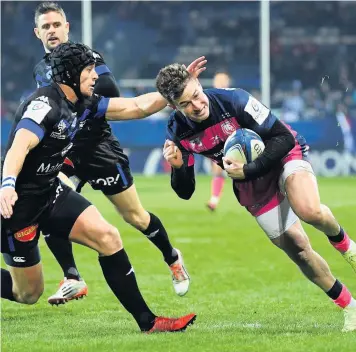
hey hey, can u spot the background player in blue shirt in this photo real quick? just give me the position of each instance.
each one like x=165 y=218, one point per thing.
x=279 y=188
x=221 y=80
x=97 y=158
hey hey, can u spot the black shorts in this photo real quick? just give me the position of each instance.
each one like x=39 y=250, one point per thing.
x=105 y=167
x=53 y=213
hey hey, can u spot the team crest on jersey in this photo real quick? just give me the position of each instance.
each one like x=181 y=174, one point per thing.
x=62 y=126
x=27 y=234
x=228 y=127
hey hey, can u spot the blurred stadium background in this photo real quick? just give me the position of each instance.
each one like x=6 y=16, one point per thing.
x=247 y=295
x=312 y=63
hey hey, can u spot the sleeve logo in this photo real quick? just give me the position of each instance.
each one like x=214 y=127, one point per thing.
x=37 y=111
x=256 y=110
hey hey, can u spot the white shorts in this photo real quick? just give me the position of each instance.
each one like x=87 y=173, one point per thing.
x=290 y=168
x=278 y=220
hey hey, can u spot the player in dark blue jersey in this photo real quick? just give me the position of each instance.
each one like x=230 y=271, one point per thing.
x=33 y=199
x=97 y=158
x=279 y=187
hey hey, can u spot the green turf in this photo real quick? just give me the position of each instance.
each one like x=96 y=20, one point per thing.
x=247 y=294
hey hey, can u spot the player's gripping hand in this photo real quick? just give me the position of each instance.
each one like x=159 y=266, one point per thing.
x=234 y=169
x=172 y=154
x=197 y=66
x=8 y=197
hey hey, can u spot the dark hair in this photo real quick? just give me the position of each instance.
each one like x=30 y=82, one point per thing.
x=45 y=7
x=171 y=81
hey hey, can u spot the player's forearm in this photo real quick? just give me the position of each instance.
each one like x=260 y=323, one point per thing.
x=183 y=181
x=280 y=143
x=135 y=108
x=14 y=160
x=150 y=103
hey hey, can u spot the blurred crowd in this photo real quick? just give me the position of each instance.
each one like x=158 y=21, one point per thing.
x=313 y=48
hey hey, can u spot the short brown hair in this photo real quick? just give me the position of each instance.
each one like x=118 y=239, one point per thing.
x=45 y=7
x=172 y=80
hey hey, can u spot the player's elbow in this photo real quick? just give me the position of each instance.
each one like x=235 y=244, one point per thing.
x=184 y=193
x=289 y=141
x=185 y=196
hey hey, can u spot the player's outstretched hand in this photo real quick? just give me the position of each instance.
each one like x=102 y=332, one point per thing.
x=8 y=197
x=234 y=169
x=197 y=66
x=172 y=154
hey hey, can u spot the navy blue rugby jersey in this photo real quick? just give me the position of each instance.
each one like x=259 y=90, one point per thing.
x=230 y=109
x=55 y=121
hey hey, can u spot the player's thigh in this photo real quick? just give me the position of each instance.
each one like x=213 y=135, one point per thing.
x=73 y=217
x=294 y=240
x=216 y=170
x=299 y=183
x=92 y=230
x=127 y=201
x=277 y=220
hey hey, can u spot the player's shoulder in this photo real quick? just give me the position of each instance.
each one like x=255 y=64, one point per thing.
x=42 y=65
x=236 y=96
x=42 y=96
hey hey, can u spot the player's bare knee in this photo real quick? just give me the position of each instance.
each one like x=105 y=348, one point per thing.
x=137 y=218
x=30 y=296
x=109 y=240
x=311 y=215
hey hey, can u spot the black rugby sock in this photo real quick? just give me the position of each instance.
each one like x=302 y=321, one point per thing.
x=157 y=234
x=6 y=285
x=339 y=237
x=63 y=252
x=121 y=278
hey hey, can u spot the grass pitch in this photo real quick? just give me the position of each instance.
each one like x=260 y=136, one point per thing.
x=247 y=294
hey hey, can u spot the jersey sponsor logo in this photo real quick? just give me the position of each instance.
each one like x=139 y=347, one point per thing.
x=66 y=149
x=48 y=169
x=216 y=155
x=108 y=181
x=257 y=110
x=59 y=190
x=228 y=127
x=19 y=259
x=27 y=234
x=44 y=99
x=37 y=111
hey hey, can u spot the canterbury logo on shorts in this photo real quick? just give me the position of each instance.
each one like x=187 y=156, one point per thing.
x=27 y=234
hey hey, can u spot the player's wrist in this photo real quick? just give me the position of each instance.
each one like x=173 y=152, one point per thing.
x=9 y=182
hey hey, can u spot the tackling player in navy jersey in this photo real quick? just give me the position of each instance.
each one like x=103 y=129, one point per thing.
x=33 y=199
x=278 y=188
x=97 y=158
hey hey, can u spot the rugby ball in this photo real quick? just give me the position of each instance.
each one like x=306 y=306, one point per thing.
x=243 y=145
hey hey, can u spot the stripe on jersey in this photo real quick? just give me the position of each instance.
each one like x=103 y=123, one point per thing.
x=211 y=136
x=102 y=107
x=32 y=126
x=102 y=69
